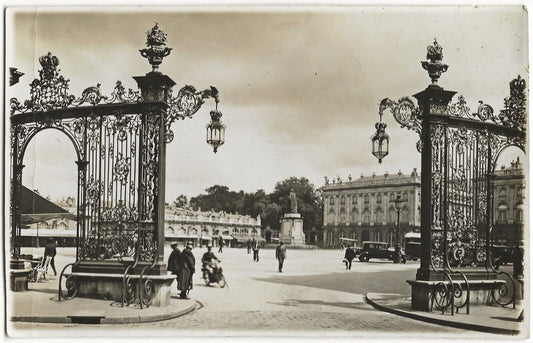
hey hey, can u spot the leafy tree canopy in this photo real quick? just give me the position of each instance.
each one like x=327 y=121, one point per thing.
x=269 y=206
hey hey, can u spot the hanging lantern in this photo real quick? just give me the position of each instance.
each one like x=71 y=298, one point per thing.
x=215 y=130
x=380 y=141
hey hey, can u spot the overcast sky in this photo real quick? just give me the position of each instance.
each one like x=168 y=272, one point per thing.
x=299 y=89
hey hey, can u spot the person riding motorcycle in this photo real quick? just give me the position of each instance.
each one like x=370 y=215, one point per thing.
x=207 y=261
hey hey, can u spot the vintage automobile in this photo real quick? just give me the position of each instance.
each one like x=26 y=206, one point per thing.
x=501 y=255
x=376 y=250
x=412 y=245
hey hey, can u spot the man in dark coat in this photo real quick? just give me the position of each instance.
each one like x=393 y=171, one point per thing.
x=249 y=245
x=281 y=254
x=220 y=244
x=186 y=271
x=173 y=264
x=349 y=255
x=255 y=249
x=50 y=250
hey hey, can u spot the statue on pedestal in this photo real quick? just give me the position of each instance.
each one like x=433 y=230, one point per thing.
x=294 y=202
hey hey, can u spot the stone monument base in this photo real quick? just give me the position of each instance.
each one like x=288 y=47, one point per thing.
x=423 y=293
x=291 y=232
x=110 y=287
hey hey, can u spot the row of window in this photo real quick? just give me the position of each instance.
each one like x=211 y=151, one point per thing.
x=388 y=237
x=366 y=217
x=502 y=216
x=193 y=231
x=519 y=192
x=378 y=211
x=366 y=198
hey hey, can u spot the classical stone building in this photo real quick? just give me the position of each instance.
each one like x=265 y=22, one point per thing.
x=364 y=210
x=203 y=227
x=509 y=193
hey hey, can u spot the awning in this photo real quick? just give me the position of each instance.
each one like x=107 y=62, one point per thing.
x=245 y=238
x=36 y=209
x=225 y=237
x=349 y=239
x=174 y=235
x=412 y=235
x=47 y=233
x=502 y=207
x=37 y=218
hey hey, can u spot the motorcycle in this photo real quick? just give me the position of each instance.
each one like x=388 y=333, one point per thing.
x=212 y=273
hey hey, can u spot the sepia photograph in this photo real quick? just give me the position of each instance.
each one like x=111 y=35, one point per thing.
x=330 y=171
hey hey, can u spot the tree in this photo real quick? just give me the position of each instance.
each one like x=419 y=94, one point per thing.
x=218 y=198
x=309 y=200
x=271 y=216
x=181 y=202
x=253 y=204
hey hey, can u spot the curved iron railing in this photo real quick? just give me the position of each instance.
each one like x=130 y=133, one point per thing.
x=147 y=288
x=71 y=283
x=502 y=289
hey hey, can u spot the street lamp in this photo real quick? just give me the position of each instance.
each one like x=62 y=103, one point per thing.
x=380 y=140
x=397 y=249
x=216 y=131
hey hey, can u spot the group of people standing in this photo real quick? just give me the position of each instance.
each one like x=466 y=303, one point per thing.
x=181 y=264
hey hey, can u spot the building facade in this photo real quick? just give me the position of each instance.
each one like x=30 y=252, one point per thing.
x=509 y=198
x=364 y=209
x=201 y=228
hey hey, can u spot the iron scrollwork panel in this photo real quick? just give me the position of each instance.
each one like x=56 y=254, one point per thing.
x=119 y=163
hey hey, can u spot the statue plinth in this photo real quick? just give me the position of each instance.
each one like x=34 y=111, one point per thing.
x=292 y=232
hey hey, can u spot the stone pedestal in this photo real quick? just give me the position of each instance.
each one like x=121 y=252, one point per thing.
x=110 y=286
x=422 y=292
x=18 y=275
x=292 y=229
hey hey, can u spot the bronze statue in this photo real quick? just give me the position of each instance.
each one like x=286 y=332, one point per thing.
x=294 y=202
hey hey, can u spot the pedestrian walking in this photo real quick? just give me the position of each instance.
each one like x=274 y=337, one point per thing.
x=220 y=244
x=186 y=271
x=173 y=265
x=349 y=255
x=50 y=252
x=281 y=254
x=255 y=248
x=249 y=245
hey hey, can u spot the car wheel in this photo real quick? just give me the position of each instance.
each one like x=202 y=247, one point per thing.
x=364 y=258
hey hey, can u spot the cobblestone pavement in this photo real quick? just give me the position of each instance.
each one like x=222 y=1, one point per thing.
x=314 y=295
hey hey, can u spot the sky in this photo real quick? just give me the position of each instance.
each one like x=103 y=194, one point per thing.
x=299 y=86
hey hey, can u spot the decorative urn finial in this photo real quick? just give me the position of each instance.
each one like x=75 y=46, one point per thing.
x=157 y=49
x=434 y=67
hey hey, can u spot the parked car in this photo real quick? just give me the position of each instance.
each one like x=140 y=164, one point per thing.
x=376 y=250
x=412 y=245
x=501 y=255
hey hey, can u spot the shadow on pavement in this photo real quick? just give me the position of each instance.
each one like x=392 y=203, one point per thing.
x=357 y=306
x=352 y=282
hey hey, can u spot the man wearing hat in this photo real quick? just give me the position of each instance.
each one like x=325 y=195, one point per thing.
x=281 y=254
x=187 y=262
x=207 y=258
x=173 y=264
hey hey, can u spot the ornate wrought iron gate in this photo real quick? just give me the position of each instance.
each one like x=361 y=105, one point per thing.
x=120 y=144
x=459 y=154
